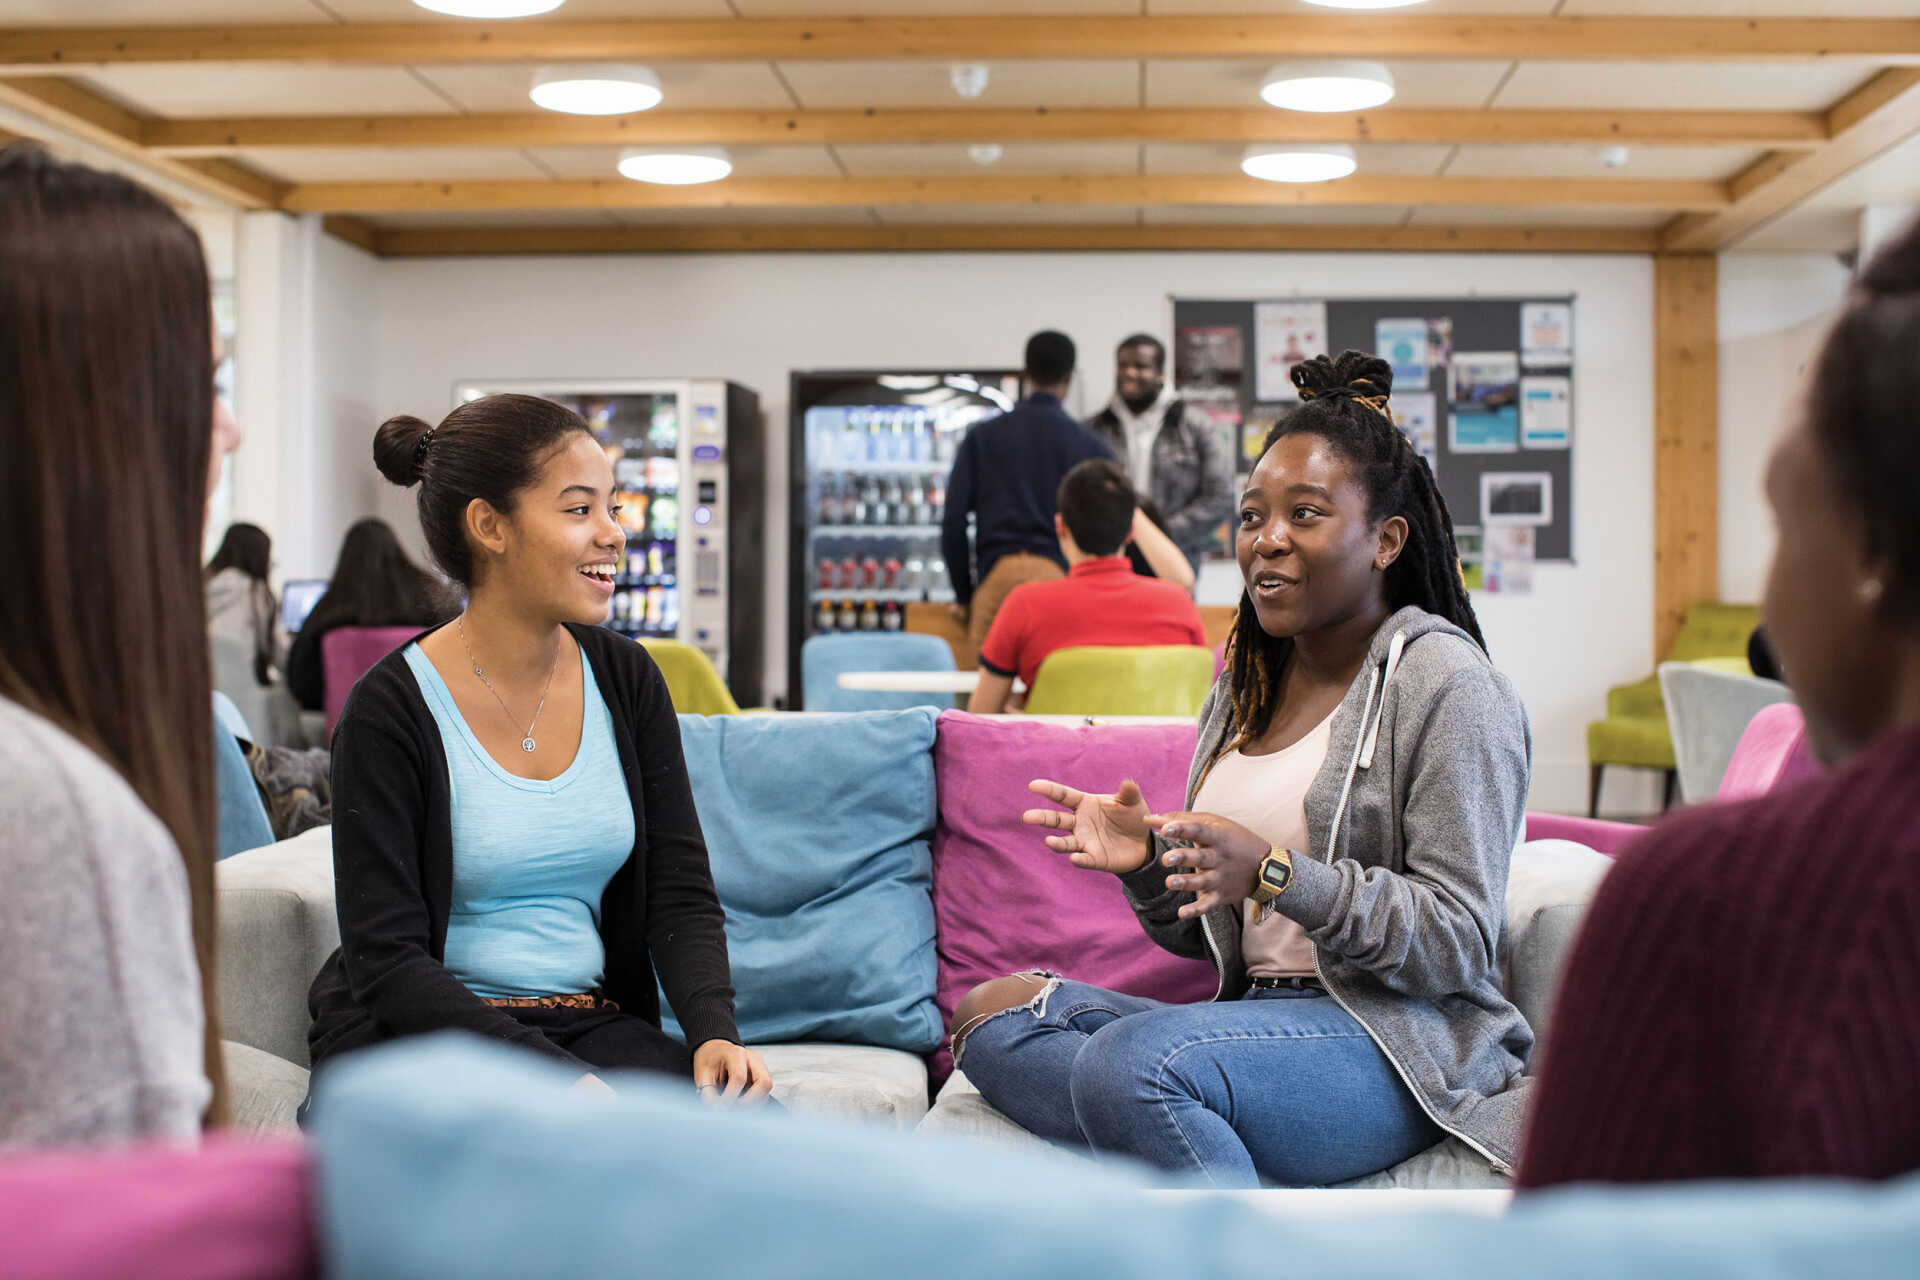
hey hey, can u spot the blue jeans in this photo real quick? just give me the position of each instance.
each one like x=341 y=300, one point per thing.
x=1283 y=1085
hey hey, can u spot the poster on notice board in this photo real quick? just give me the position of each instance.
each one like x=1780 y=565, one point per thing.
x=1284 y=334
x=1485 y=402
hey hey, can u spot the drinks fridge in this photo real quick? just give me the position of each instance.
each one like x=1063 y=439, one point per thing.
x=871 y=452
x=689 y=470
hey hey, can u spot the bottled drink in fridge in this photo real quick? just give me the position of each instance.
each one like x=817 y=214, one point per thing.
x=849 y=616
x=823 y=618
x=870 y=616
x=853 y=509
x=892 y=618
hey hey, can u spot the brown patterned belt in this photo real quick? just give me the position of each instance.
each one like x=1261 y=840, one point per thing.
x=582 y=1000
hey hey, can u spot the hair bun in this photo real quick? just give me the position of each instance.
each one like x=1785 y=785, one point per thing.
x=398 y=449
x=1353 y=375
x=1895 y=269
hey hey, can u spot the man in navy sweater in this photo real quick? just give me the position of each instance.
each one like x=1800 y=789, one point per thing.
x=1006 y=476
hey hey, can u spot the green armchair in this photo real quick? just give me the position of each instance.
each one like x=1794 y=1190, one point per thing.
x=1635 y=732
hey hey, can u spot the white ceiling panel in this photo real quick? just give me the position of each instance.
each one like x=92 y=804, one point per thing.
x=1533 y=8
x=1741 y=8
x=748 y=162
x=927 y=84
x=1223 y=159
x=690 y=86
x=741 y=217
x=388 y=164
x=1016 y=157
x=263 y=89
x=944 y=8
x=572 y=10
x=1712 y=163
x=496 y=218
x=1683 y=86
x=1044 y=214
x=1806 y=230
x=1544 y=216
x=1237 y=83
x=1368 y=215
x=1892 y=178
x=101 y=13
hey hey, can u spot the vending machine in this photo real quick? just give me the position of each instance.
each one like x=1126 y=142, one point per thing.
x=689 y=470
x=871 y=451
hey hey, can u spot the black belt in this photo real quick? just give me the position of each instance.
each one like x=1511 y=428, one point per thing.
x=1295 y=984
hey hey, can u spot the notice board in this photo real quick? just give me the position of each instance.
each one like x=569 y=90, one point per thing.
x=1483 y=387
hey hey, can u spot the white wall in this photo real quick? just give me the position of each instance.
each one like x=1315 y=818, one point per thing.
x=344 y=410
x=755 y=318
x=1773 y=314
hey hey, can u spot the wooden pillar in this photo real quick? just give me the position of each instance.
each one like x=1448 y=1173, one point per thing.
x=1686 y=439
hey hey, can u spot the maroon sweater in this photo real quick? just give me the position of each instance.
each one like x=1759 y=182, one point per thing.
x=1743 y=1000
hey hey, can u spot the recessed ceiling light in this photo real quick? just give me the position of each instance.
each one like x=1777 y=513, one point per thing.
x=985 y=152
x=602 y=89
x=490 y=8
x=1299 y=164
x=1365 y=4
x=683 y=167
x=1327 y=86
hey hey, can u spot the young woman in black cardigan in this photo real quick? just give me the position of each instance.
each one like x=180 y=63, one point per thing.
x=515 y=846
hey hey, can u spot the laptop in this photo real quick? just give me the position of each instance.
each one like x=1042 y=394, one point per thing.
x=297 y=599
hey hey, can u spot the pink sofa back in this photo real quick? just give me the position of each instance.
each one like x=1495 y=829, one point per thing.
x=1002 y=900
x=226 y=1209
x=347 y=653
x=1772 y=752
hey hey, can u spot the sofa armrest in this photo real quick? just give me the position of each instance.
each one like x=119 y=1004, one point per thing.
x=1597 y=834
x=1548 y=889
x=277 y=927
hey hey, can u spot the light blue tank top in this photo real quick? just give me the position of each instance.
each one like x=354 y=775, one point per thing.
x=530 y=859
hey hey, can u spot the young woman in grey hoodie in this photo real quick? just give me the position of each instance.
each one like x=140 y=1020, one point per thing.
x=1359 y=785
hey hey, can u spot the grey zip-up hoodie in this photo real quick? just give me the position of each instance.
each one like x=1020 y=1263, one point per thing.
x=1412 y=823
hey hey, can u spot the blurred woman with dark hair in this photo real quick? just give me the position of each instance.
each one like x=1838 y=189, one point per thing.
x=240 y=601
x=107 y=410
x=1744 y=997
x=375 y=584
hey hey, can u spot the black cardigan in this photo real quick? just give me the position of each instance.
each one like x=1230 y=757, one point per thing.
x=393 y=871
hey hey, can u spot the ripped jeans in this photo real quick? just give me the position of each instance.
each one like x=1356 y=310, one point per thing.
x=1282 y=1087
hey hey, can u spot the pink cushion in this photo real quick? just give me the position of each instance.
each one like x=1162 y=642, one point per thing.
x=1003 y=901
x=1772 y=752
x=231 y=1208
x=347 y=653
x=1597 y=834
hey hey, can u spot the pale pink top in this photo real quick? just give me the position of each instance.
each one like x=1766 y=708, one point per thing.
x=1268 y=796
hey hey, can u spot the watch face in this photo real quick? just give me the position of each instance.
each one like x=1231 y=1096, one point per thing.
x=1276 y=874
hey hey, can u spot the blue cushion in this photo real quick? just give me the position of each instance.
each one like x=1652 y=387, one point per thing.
x=451 y=1156
x=243 y=821
x=818 y=830
x=823 y=658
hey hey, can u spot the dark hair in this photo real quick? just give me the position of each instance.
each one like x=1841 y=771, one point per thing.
x=1096 y=500
x=1146 y=340
x=376 y=584
x=245 y=547
x=490 y=448
x=1860 y=406
x=1050 y=357
x=1344 y=402
x=106 y=408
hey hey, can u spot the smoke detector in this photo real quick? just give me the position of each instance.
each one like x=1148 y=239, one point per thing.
x=1615 y=157
x=985 y=152
x=970 y=79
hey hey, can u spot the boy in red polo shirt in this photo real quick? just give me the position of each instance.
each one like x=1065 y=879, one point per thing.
x=1101 y=601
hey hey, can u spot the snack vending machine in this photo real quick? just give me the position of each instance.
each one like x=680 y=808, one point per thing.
x=871 y=452
x=689 y=472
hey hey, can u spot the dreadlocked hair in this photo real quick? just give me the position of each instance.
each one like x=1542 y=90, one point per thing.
x=1343 y=400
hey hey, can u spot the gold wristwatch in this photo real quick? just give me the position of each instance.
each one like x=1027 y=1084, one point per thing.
x=1275 y=874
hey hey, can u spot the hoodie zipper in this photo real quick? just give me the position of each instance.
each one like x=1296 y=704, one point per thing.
x=1367 y=740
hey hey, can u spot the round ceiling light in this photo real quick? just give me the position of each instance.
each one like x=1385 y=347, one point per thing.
x=605 y=89
x=490 y=8
x=1327 y=86
x=1299 y=164
x=684 y=167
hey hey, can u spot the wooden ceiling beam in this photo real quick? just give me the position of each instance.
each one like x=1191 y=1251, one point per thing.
x=72 y=108
x=1263 y=237
x=1112 y=189
x=1781 y=129
x=1874 y=118
x=1025 y=37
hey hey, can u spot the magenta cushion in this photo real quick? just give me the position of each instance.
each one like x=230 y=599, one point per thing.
x=1003 y=901
x=346 y=654
x=230 y=1208
x=1772 y=752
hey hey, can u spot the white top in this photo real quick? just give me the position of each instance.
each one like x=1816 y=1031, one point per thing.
x=1268 y=796
x=1140 y=430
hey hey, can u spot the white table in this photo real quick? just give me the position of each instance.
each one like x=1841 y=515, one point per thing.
x=915 y=681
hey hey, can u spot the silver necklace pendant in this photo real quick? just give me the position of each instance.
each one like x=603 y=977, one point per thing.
x=526 y=744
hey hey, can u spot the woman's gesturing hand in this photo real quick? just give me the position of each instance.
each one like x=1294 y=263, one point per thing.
x=1100 y=833
x=725 y=1072
x=1222 y=865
